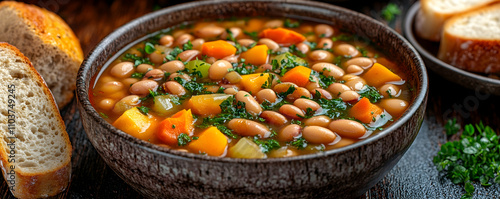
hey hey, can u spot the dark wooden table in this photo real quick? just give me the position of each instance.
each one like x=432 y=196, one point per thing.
x=413 y=177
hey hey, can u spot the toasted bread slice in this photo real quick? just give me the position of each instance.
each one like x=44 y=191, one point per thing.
x=433 y=14
x=471 y=41
x=47 y=41
x=35 y=150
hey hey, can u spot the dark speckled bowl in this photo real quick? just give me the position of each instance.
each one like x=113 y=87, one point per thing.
x=342 y=173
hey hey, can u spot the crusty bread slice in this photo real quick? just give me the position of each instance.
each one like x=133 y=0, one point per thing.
x=433 y=14
x=471 y=41
x=35 y=150
x=47 y=41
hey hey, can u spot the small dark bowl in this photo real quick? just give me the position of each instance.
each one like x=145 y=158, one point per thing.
x=347 y=172
x=451 y=73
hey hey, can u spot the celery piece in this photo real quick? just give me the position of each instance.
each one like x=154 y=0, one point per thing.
x=246 y=148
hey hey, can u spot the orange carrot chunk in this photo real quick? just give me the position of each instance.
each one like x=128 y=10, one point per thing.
x=211 y=141
x=365 y=111
x=256 y=55
x=282 y=36
x=378 y=75
x=170 y=128
x=298 y=75
x=218 y=49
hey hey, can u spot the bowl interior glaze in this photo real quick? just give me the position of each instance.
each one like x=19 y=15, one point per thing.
x=369 y=159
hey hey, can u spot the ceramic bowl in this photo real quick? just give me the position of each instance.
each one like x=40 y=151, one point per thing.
x=158 y=172
x=429 y=50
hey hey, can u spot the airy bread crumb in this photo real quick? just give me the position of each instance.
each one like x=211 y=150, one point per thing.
x=41 y=146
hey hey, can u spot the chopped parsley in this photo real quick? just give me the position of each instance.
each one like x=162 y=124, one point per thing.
x=172 y=55
x=473 y=158
x=363 y=51
x=266 y=145
x=452 y=127
x=290 y=24
x=183 y=139
x=136 y=59
x=253 y=35
x=388 y=91
x=151 y=94
x=187 y=46
x=289 y=91
x=149 y=48
x=230 y=109
x=299 y=143
x=390 y=11
x=137 y=75
x=333 y=108
x=144 y=110
x=194 y=87
x=371 y=93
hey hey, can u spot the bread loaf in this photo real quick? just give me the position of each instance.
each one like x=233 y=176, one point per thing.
x=35 y=150
x=471 y=41
x=47 y=41
x=433 y=14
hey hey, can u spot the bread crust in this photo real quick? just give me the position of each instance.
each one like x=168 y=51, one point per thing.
x=50 y=182
x=429 y=22
x=475 y=55
x=49 y=27
x=53 y=31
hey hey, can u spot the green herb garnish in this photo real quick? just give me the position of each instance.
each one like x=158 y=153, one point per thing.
x=299 y=143
x=137 y=60
x=390 y=11
x=371 y=93
x=474 y=158
x=266 y=145
x=452 y=127
x=137 y=75
x=289 y=24
x=253 y=35
x=187 y=46
x=183 y=139
x=144 y=110
x=149 y=48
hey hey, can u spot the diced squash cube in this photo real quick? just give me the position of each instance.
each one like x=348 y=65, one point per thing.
x=256 y=55
x=378 y=75
x=135 y=123
x=254 y=82
x=206 y=104
x=211 y=141
x=298 y=75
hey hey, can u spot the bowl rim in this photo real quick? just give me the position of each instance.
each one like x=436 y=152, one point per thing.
x=83 y=90
x=408 y=32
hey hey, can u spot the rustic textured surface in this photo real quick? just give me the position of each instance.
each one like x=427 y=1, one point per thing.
x=413 y=177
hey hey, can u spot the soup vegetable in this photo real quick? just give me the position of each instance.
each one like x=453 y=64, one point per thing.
x=251 y=88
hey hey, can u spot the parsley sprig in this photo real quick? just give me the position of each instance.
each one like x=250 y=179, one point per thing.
x=475 y=157
x=371 y=93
